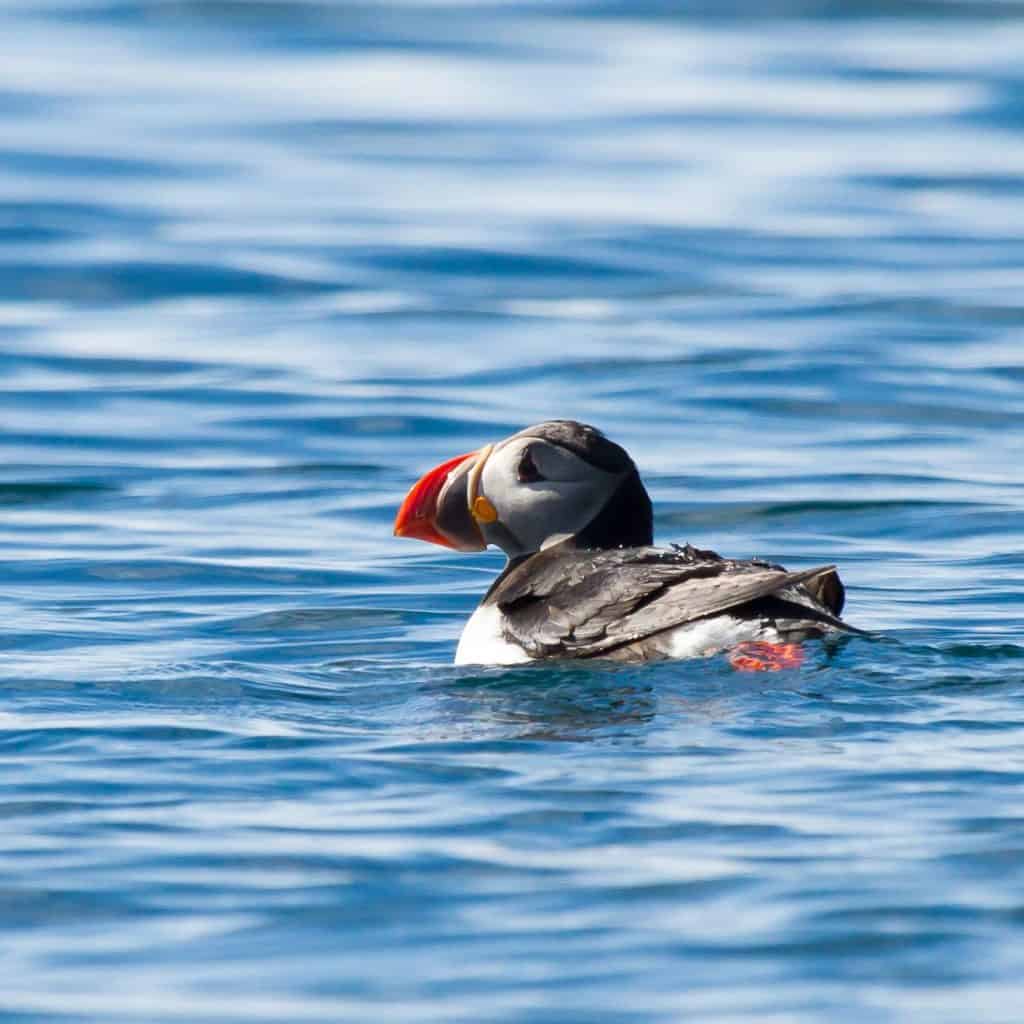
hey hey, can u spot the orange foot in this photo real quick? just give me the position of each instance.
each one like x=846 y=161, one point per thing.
x=761 y=656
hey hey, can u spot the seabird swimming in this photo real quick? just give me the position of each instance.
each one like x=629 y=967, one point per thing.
x=583 y=579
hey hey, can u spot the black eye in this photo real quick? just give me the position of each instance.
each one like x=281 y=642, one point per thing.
x=526 y=471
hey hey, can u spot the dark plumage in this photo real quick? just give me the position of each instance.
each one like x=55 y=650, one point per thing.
x=568 y=507
x=569 y=603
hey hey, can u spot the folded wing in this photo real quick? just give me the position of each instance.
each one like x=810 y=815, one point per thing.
x=563 y=602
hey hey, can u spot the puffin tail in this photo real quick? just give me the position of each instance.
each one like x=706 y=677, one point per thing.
x=815 y=595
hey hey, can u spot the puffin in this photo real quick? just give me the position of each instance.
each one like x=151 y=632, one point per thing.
x=583 y=578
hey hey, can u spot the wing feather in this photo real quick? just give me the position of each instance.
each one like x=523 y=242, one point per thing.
x=563 y=602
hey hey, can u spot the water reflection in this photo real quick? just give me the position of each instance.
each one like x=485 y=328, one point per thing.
x=262 y=262
x=564 y=703
x=631 y=704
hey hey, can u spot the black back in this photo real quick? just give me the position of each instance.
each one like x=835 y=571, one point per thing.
x=564 y=602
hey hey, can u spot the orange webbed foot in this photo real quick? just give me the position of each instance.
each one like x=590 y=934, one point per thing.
x=762 y=656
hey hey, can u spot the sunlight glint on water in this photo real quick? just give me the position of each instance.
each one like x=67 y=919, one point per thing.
x=263 y=264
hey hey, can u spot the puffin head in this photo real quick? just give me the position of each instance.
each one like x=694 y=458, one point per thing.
x=553 y=480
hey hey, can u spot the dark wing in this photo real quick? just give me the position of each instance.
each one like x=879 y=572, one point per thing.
x=567 y=603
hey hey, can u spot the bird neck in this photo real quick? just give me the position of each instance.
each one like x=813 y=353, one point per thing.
x=625 y=521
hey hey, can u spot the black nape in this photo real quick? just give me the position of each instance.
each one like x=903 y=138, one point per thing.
x=626 y=521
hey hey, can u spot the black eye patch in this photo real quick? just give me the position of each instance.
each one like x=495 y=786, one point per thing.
x=526 y=471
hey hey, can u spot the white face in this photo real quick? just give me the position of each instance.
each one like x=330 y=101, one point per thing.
x=540 y=490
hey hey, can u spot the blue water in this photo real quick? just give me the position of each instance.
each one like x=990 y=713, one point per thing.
x=261 y=264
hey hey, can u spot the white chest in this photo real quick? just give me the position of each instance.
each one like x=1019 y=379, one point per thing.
x=482 y=642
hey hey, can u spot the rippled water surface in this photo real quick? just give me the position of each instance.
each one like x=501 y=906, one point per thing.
x=263 y=263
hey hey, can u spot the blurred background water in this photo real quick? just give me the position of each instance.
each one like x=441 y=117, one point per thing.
x=261 y=264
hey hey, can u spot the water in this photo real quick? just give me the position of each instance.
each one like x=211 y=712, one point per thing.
x=263 y=263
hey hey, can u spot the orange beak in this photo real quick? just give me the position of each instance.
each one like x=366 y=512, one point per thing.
x=419 y=515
